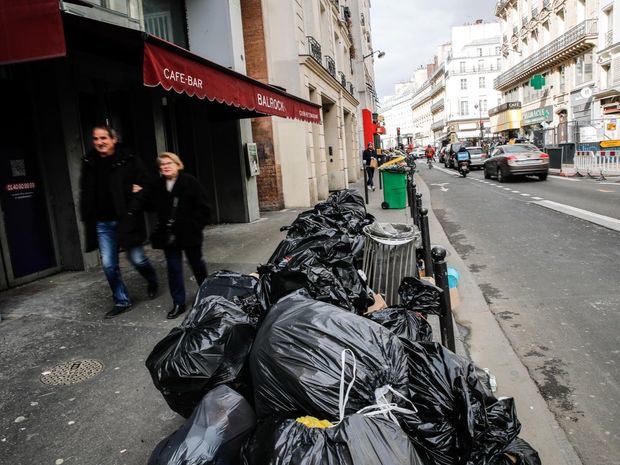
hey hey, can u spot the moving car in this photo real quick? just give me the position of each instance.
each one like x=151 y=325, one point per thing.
x=516 y=159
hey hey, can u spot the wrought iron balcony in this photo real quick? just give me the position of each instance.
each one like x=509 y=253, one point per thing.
x=438 y=105
x=547 y=4
x=534 y=13
x=330 y=65
x=571 y=43
x=314 y=49
x=438 y=125
x=343 y=79
x=351 y=88
x=515 y=30
x=524 y=21
x=609 y=38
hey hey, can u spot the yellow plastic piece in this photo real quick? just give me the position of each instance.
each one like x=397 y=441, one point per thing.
x=393 y=161
x=312 y=422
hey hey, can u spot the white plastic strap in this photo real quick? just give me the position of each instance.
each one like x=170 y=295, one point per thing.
x=344 y=397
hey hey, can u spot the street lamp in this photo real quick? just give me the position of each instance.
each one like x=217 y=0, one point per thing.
x=479 y=108
x=381 y=54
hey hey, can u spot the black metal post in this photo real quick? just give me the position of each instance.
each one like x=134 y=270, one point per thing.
x=411 y=193
x=418 y=206
x=380 y=179
x=440 y=268
x=426 y=243
x=365 y=182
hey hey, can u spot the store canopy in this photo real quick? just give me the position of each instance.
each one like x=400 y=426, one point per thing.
x=30 y=30
x=174 y=68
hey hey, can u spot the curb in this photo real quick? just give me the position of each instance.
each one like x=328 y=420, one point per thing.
x=488 y=346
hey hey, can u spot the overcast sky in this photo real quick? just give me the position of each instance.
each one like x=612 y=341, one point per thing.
x=409 y=32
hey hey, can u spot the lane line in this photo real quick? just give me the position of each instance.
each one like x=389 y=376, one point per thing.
x=563 y=178
x=602 y=220
x=537 y=198
x=525 y=195
x=515 y=192
x=507 y=188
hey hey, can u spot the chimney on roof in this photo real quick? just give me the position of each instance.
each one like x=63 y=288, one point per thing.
x=479 y=21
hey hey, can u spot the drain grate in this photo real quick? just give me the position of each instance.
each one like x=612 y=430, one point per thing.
x=71 y=372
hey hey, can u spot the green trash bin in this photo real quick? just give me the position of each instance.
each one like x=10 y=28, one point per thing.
x=394 y=188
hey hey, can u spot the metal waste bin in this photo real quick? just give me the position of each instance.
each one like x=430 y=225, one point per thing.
x=389 y=256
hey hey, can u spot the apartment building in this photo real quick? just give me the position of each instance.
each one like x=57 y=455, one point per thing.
x=169 y=75
x=554 y=42
x=453 y=103
x=607 y=97
x=470 y=69
x=398 y=116
x=305 y=47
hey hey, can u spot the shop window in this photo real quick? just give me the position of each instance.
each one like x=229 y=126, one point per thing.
x=166 y=19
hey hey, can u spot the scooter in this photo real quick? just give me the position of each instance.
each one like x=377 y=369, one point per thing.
x=463 y=159
x=464 y=168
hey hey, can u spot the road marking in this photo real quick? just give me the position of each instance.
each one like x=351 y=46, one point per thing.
x=608 y=183
x=601 y=220
x=442 y=186
x=525 y=195
x=537 y=198
x=607 y=191
x=507 y=188
x=515 y=192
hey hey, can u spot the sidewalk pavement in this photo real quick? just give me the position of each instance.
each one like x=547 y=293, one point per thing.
x=117 y=417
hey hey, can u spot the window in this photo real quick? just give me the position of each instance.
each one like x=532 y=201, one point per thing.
x=463 y=84
x=480 y=65
x=479 y=52
x=462 y=66
x=583 y=68
x=482 y=82
x=497 y=49
x=464 y=107
x=165 y=19
x=483 y=105
x=499 y=64
x=562 y=78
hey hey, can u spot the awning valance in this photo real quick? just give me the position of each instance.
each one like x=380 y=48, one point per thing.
x=30 y=30
x=174 y=68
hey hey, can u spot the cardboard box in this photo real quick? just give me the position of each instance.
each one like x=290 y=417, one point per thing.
x=379 y=304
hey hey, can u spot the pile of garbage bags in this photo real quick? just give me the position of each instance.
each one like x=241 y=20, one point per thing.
x=306 y=376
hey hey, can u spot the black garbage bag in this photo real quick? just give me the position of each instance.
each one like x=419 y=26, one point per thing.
x=421 y=296
x=325 y=268
x=236 y=287
x=213 y=435
x=296 y=362
x=405 y=323
x=518 y=452
x=209 y=348
x=357 y=440
x=458 y=418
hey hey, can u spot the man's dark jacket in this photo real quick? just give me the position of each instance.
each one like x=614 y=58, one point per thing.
x=126 y=170
x=192 y=212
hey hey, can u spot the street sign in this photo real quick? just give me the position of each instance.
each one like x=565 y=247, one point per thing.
x=537 y=81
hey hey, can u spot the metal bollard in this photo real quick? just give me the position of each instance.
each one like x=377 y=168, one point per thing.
x=426 y=243
x=365 y=183
x=418 y=206
x=411 y=194
x=380 y=179
x=440 y=268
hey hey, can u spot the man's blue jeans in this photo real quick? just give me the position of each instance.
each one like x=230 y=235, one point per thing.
x=108 y=247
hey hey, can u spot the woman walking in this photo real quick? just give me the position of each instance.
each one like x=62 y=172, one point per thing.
x=182 y=212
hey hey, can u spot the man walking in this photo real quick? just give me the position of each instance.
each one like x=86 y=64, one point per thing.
x=371 y=162
x=111 y=204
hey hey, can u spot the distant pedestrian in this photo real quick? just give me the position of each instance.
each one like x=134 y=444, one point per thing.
x=111 y=200
x=371 y=163
x=182 y=212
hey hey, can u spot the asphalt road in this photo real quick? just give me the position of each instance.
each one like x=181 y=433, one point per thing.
x=551 y=280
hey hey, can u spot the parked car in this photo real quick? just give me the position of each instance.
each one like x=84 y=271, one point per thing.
x=477 y=157
x=516 y=159
x=442 y=155
x=451 y=151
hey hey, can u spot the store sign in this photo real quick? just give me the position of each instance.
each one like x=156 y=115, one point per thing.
x=610 y=143
x=194 y=76
x=504 y=107
x=538 y=115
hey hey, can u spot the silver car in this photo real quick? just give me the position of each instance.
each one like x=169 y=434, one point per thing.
x=516 y=159
x=477 y=157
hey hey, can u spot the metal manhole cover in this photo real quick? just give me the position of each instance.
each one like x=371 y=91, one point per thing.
x=71 y=372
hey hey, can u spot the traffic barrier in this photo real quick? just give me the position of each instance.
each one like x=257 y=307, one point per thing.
x=601 y=163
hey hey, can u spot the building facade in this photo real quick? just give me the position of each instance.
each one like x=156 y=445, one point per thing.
x=397 y=116
x=549 y=53
x=306 y=48
x=169 y=75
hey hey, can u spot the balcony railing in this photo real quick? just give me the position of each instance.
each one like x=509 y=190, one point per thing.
x=438 y=105
x=524 y=21
x=515 y=30
x=534 y=13
x=330 y=65
x=579 y=33
x=314 y=49
x=343 y=79
x=609 y=38
x=435 y=88
x=437 y=126
x=547 y=4
x=351 y=88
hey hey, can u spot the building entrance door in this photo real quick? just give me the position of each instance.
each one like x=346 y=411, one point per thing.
x=26 y=243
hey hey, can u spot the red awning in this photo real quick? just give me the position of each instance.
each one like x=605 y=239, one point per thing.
x=30 y=30
x=172 y=67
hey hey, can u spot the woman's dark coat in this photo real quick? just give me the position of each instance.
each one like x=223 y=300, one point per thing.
x=127 y=170
x=192 y=211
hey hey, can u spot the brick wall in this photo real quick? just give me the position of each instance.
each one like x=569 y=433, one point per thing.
x=270 y=193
